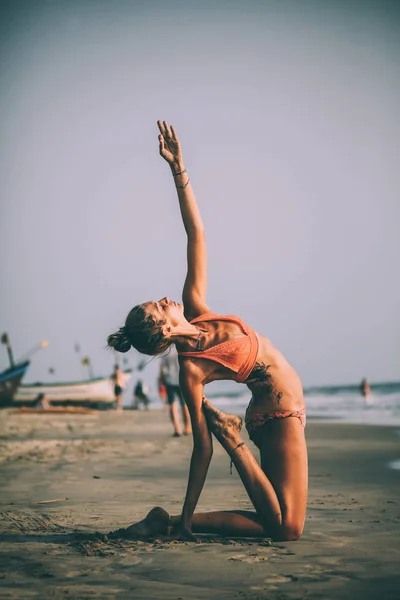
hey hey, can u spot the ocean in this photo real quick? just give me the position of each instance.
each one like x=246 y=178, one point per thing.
x=330 y=403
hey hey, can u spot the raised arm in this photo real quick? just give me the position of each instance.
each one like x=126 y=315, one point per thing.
x=194 y=289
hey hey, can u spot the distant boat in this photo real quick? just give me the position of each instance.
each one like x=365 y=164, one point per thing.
x=10 y=379
x=98 y=391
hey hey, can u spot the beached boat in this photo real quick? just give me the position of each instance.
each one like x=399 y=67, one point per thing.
x=96 y=391
x=10 y=379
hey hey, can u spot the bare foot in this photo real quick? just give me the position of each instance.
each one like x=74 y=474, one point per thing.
x=225 y=427
x=155 y=523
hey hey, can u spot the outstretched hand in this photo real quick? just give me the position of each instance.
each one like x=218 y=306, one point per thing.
x=170 y=148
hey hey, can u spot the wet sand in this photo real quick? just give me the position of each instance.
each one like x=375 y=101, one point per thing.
x=106 y=470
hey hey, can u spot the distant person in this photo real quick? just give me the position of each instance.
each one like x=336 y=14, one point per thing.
x=162 y=392
x=141 y=395
x=42 y=403
x=365 y=390
x=169 y=377
x=119 y=382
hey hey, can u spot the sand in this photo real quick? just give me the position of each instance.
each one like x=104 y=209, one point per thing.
x=103 y=471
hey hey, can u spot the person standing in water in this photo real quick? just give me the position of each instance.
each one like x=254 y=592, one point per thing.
x=169 y=377
x=213 y=347
x=365 y=390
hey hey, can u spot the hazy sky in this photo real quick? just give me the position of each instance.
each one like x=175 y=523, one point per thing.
x=288 y=114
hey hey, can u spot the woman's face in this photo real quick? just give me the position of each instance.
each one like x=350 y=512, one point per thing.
x=165 y=310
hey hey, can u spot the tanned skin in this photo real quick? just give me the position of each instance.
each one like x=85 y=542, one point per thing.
x=277 y=486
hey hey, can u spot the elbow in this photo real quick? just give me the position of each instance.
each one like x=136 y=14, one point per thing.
x=195 y=232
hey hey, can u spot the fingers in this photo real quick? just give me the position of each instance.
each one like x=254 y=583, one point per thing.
x=169 y=143
x=184 y=536
x=165 y=130
x=161 y=140
x=161 y=127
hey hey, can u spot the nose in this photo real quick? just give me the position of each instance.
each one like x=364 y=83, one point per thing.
x=165 y=299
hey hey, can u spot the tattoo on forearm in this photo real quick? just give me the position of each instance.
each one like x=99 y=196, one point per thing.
x=261 y=373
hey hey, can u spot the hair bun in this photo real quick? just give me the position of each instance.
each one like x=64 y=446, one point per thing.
x=119 y=341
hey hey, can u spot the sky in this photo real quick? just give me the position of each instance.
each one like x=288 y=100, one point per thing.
x=288 y=116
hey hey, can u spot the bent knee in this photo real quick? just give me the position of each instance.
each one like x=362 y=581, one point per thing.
x=293 y=534
x=290 y=532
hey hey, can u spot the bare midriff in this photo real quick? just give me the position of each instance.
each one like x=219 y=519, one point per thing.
x=281 y=389
x=274 y=384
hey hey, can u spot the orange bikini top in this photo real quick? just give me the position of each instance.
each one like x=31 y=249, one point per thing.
x=239 y=354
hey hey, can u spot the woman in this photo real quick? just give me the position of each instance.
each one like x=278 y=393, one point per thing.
x=212 y=347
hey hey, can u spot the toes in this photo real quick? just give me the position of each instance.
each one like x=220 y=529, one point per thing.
x=155 y=522
x=207 y=403
x=136 y=531
x=239 y=424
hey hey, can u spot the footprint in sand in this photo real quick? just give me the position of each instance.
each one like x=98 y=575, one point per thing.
x=252 y=558
x=272 y=583
x=134 y=560
x=128 y=554
x=329 y=560
x=28 y=522
x=276 y=578
x=313 y=573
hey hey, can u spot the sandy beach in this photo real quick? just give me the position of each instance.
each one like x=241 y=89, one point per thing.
x=106 y=470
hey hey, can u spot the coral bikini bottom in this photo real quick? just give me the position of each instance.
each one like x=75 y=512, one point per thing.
x=258 y=420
